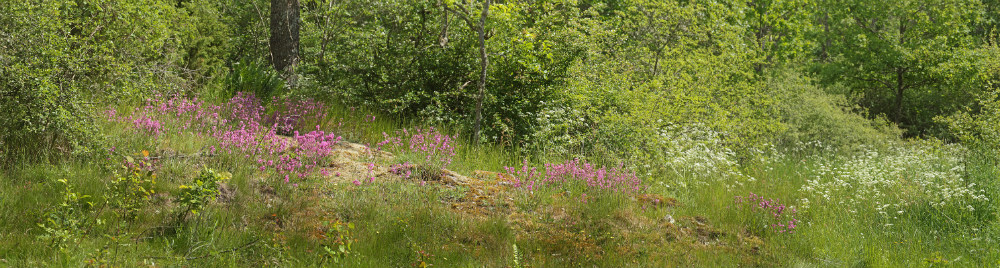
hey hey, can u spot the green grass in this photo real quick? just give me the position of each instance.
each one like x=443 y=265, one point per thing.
x=266 y=222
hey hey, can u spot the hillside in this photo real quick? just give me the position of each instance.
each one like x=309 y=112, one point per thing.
x=506 y=133
x=186 y=182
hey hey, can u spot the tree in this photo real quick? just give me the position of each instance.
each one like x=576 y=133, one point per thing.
x=776 y=28
x=463 y=13
x=990 y=23
x=285 y=38
x=892 y=53
x=483 y=62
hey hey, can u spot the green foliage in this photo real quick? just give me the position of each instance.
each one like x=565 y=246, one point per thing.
x=337 y=244
x=131 y=192
x=685 y=65
x=517 y=257
x=904 y=59
x=201 y=191
x=61 y=59
x=813 y=115
x=978 y=125
x=248 y=33
x=203 y=44
x=64 y=223
x=989 y=26
x=778 y=29
x=256 y=78
x=421 y=58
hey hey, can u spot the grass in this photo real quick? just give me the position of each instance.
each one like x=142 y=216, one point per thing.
x=263 y=221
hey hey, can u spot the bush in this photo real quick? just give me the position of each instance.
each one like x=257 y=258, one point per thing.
x=338 y=241
x=254 y=77
x=131 y=192
x=60 y=58
x=201 y=191
x=388 y=61
x=64 y=222
x=812 y=114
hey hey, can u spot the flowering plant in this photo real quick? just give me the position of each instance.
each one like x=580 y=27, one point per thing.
x=614 y=179
x=763 y=214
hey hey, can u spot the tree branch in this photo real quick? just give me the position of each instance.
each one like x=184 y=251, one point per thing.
x=463 y=14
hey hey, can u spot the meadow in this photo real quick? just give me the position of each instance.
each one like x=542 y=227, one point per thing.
x=185 y=182
x=499 y=133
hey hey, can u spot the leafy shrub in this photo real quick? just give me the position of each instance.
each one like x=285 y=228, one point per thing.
x=814 y=115
x=338 y=241
x=201 y=191
x=63 y=223
x=132 y=191
x=61 y=57
x=422 y=74
x=255 y=78
x=204 y=45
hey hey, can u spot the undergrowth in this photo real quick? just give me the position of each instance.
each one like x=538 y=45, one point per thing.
x=193 y=188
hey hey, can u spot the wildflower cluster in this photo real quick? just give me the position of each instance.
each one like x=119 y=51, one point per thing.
x=525 y=176
x=615 y=179
x=404 y=170
x=765 y=212
x=184 y=114
x=312 y=148
x=316 y=143
x=187 y=114
x=430 y=146
x=148 y=125
x=242 y=127
x=892 y=180
x=694 y=154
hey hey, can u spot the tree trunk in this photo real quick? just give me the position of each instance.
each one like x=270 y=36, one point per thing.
x=900 y=87
x=285 y=38
x=826 y=36
x=326 y=36
x=484 y=61
x=443 y=38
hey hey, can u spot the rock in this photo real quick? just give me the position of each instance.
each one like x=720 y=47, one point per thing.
x=453 y=178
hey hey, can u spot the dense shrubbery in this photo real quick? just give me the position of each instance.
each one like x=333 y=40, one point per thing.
x=60 y=58
x=813 y=114
x=594 y=78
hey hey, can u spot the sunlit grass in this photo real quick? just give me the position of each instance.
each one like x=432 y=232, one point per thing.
x=264 y=221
